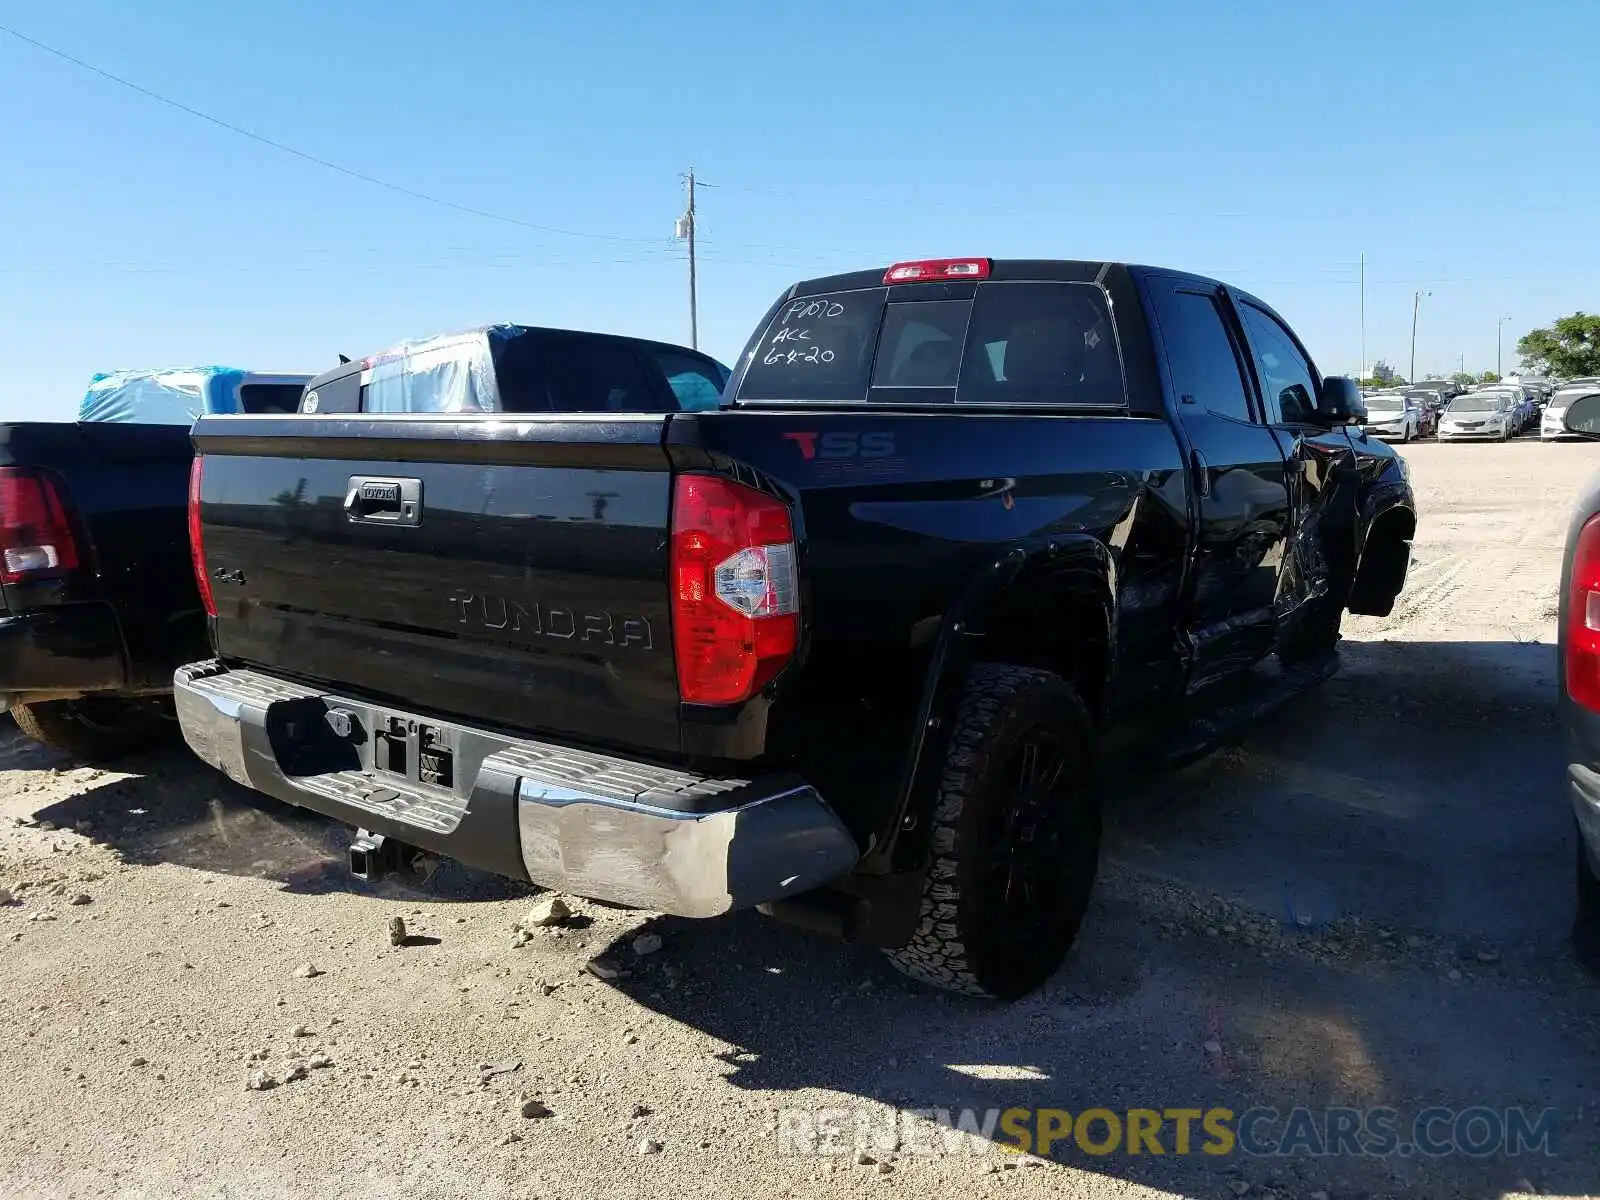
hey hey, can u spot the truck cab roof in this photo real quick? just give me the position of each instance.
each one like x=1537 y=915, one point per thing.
x=521 y=368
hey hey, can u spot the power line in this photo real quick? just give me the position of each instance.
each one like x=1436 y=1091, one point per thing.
x=278 y=267
x=273 y=143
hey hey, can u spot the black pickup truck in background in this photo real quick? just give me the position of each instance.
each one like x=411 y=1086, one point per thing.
x=843 y=649
x=98 y=603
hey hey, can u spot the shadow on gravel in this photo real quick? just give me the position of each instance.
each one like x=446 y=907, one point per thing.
x=1418 y=795
x=1421 y=788
x=1414 y=803
x=174 y=809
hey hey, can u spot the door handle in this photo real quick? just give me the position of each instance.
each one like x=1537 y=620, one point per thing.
x=383 y=500
x=1202 y=473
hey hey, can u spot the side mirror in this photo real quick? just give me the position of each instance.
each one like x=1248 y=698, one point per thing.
x=1341 y=401
x=1583 y=416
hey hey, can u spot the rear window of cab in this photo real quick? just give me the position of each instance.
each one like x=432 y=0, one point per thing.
x=1011 y=343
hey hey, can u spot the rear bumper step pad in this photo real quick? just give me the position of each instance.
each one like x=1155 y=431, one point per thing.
x=590 y=824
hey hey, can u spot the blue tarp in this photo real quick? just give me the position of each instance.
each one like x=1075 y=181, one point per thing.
x=178 y=396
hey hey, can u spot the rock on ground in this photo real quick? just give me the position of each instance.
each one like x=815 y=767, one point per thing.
x=647 y=943
x=547 y=911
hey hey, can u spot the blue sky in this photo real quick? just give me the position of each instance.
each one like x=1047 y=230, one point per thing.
x=1270 y=144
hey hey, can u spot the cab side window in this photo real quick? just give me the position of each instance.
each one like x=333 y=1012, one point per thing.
x=1287 y=383
x=547 y=371
x=1206 y=371
x=696 y=382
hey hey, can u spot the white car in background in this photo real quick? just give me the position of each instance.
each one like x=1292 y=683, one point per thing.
x=1393 y=416
x=1551 y=428
x=1476 y=416
x=1520 y=400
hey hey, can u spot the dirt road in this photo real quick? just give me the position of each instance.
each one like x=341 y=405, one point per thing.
x=1364 y=905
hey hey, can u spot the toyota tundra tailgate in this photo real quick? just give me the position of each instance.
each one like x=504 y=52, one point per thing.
x=509 y=571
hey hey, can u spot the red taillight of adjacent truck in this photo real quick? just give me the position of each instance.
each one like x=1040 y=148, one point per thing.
x=197 y=548
x=36 y=538
x=735 y=589
x=1583 y=618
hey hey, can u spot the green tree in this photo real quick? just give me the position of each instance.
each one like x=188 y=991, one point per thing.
x=1488 y=377
x=1464 y=378
x=1571 y=346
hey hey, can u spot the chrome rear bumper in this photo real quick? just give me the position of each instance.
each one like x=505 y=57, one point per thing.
x=590 y=824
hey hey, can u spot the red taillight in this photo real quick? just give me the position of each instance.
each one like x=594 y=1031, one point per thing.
x=35 y=533
x=197 y=547
x=937 y=268
x=735 y=589
x=1583 y=618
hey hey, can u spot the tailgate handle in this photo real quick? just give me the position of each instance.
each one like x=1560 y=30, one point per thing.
x=383 y=500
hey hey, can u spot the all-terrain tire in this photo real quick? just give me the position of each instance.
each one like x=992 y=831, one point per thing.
x=1014 y=854
x=1586 y=921
x=96 y=727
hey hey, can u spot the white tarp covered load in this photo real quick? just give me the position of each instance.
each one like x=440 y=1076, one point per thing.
x=450 y=373
x=174 y=396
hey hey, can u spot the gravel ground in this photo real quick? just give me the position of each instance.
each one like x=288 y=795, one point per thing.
x=1365 y=904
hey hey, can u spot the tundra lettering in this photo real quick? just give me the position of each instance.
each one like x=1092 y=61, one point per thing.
x=498 y=614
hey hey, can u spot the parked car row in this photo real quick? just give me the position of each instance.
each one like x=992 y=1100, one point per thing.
x=1410 y=412
x=1492 y=412
x=1399 y=416
x=1481 y=415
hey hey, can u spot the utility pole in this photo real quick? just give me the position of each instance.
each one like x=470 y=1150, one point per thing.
x=1361 y=374
x=1416 y=302
x=1499 y=327
x=685 y=232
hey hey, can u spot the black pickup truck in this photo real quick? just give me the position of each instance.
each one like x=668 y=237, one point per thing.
x=842 y=649
x=97 y=595
x=98 y=603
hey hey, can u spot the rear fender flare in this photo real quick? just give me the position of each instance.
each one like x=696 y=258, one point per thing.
x=1079 y=564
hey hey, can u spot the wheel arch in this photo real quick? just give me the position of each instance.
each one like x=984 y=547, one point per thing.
x=1051 y=606
x=1385 y=556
